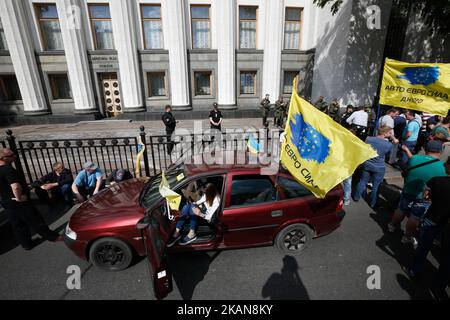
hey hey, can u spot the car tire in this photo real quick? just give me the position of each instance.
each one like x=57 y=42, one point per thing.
x=110 y=254
x=294 y=239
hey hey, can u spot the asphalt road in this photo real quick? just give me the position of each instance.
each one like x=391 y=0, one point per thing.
x=333 y=267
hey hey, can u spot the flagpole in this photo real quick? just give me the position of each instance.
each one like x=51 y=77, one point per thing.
x=375 y=131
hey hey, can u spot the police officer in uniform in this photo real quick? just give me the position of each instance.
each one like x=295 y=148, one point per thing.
x=265 y=106
x=14 y=194
x=215 y=117
x=321 y=105
x=170 y=123
x=280 y=111
x=333 y=111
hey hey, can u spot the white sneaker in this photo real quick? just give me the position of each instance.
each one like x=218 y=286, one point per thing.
x=411 y=240
x=346 y=202
x=391 y=227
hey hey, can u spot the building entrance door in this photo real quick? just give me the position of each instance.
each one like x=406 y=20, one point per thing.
x=111 y=94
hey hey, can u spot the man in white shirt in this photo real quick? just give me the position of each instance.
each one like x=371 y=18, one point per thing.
x=388 y=119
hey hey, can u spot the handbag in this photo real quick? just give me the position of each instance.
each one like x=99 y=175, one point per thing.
x=406 y=171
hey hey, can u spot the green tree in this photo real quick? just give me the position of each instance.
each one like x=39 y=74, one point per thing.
x=436 y=13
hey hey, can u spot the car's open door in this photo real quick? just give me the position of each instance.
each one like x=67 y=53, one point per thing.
x=155 y=229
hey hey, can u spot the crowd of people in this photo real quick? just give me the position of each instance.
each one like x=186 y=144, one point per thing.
x=413 y=143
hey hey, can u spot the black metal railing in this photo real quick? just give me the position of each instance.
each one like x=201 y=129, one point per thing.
x=35 y=158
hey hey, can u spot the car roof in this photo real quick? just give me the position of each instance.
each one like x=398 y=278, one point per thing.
x=232 y=161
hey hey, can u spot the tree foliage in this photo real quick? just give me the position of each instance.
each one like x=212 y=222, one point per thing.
x=435 y=13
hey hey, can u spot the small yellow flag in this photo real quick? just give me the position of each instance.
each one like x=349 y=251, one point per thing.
x=416 y=86
x=317 y=151
x=173 y=199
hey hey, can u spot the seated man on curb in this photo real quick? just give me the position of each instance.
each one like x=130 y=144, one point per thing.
x=88 y=182
x=55 y=184
x=117 y=176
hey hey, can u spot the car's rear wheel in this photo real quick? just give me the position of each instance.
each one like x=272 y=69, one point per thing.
x=110 y=254
x=294 y=239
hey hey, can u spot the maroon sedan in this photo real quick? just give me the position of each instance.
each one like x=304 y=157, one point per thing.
x=256 y=210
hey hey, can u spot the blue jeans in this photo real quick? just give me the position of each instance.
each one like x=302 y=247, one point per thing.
x=428 y=233
x=187 y=212
x=404 y=159
x=347 y=184
x=366 y=177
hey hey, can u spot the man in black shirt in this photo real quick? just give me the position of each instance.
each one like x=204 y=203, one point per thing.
x=21 y=213
x=117 y=176
x=435 y=223
x=170 y=123
x=215 y=117
x=348 y=112
x=55 y=184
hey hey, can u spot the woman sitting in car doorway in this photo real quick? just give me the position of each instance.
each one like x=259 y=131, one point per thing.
x=204 y=208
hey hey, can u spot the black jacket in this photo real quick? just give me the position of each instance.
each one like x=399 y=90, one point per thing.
x=169 y=121
x=65 y=178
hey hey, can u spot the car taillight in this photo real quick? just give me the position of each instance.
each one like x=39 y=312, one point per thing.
x=340 y=205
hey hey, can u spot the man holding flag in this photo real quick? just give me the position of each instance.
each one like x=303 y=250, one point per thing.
x=317 y=151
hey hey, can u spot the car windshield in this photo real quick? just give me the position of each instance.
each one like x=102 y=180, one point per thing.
x=174 y=175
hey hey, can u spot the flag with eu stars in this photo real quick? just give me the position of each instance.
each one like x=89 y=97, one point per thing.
x=416 y=86
x=318 y=152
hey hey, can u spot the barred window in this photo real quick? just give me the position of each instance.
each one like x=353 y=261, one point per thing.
x=288 y=80
x=203 y=83
x=49 y=26
x=157 y=84
x=248 y=82
x=292 y=28
x=201 y=27
x=9 y=88
x=152 y=26
x=247 y=27
x=101 y=24
x=60 y=86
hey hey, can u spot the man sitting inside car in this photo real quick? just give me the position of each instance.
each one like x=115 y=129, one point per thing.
x=204 y=208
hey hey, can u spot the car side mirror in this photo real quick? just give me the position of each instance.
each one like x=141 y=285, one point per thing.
x=143 y=223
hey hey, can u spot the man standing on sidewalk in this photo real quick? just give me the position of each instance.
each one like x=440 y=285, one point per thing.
x=215 y=117
x=420 y=169
x=374 y=169
x=265 y=106
x=21 y=213
x=170 y=123
x=410 y=136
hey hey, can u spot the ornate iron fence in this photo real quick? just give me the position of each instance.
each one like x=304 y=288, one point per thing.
x=35 y=158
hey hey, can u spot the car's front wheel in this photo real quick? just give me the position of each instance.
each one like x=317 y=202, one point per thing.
x=294 y=239
x=110 y=254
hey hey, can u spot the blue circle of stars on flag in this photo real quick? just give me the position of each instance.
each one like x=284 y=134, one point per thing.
x=310 y=143
x=420 y=75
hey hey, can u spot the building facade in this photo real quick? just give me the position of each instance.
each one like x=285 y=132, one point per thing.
x=107 y=58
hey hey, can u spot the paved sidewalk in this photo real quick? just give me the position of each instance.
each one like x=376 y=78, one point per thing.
x=118 y=128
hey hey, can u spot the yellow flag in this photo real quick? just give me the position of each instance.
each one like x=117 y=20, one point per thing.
x=140 y=153
x=317 y=151
x=173 y=199
x=416 y=86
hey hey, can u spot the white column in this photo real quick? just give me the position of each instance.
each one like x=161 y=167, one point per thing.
x=22 y=55
x=272 y=49
x=226 y=34
x=125 y=39
x=173 y=12
x=69 y=12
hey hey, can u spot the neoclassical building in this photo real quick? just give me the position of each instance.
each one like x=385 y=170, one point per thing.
x=69 y=60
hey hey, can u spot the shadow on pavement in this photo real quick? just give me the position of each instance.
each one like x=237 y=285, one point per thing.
x=390 y=244
x=286 y=285
x=189 y=269
x=8 y=240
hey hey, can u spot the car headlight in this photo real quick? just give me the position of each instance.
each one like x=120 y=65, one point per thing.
x=70 y=233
